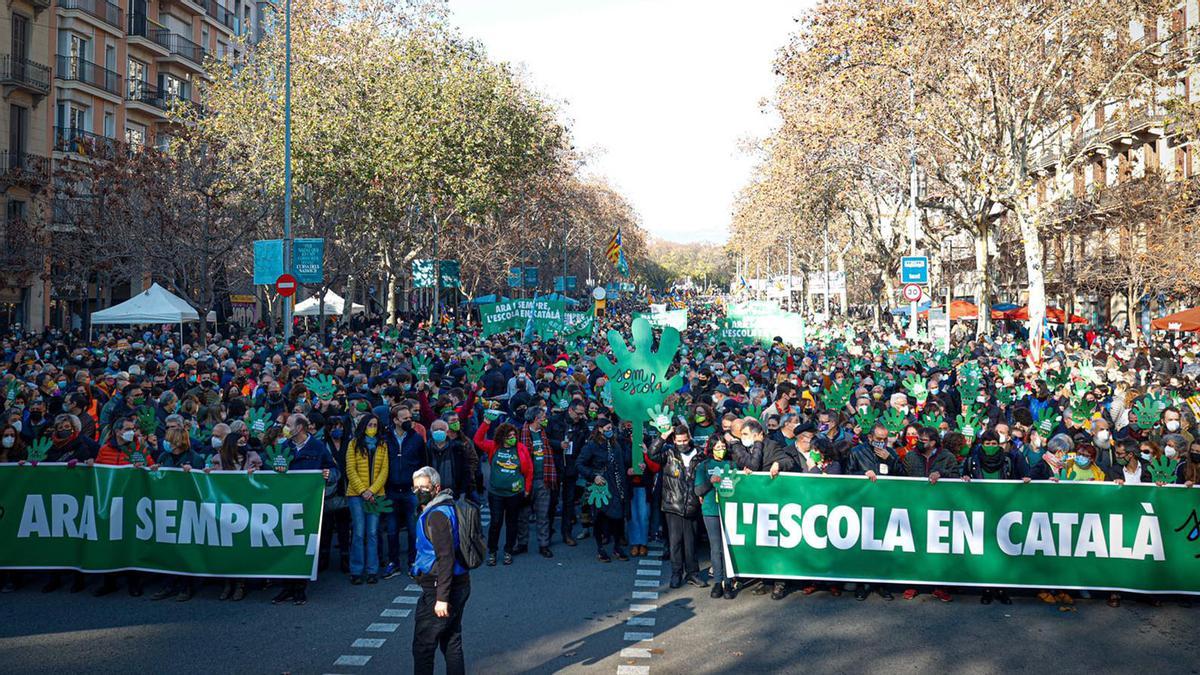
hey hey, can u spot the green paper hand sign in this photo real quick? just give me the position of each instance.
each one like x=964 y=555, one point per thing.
x=1148 y=412
x=1008 y=351
x=561 y=400
x=1045 y=421
x=660 y=417
x=1079 y=390
x=279 y=457
x=858 y=365
x=598 y=496
x=1086 y=370
x=865 y=419
x=1005 y=372
x=930 y=419
x=728 y=483
x=133 y=455
x=1057 y=379
x=754 y=411
x=968 y=424
x=379 y=505
x=638 y=380
x=421 y=366
x=1082 y=411
x=321 y=386
x=38 y=449
x=837 y=396
x=257 y=420
x=1005 y=395
x=147 y=422
x=11 y=390
x=893 y=421
x=915 y=386
x=1162 y=470
x=491 y=415
x=475 y=368
x=203 y=434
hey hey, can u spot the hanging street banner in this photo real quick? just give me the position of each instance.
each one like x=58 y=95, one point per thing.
x=677 y=319
x=268 y=261
x=104 y=519
x=1070 y=535
x=424 y=277
x=308 y=260
x=759 y=321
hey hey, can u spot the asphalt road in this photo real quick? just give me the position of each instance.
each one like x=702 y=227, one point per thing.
x=575 y=614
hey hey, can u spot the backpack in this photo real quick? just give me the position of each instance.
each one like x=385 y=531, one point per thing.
x=471 y=545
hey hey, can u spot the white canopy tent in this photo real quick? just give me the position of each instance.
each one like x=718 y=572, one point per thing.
x=153 y=305
x=334 y=304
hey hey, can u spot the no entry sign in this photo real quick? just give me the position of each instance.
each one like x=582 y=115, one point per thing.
x=285 y=285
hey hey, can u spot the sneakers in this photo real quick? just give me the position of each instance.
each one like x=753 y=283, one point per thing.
x=507 y=558
x=676 y=580
x=861 y=592
x=910 y=593
x=546 y=552
x=760 y=589
x=390 y=571
x=1064 y=598
x=602 y=556
x=284 y=595
x=239 y=591
x=1002 y=596
x=886 y=594
x=942 y=595
x=778 y=591
x=372 y=579
x=620 y=555
x=184 y=595
x=491 y=560
x=986 y=597
x=226 y=592
x=356 y=580
x=300 y=597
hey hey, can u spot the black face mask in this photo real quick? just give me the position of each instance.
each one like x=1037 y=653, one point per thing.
x=406 y=426
x=1194 y=456
x=424 y=496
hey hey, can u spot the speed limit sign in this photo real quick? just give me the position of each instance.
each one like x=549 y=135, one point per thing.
x=912 y=292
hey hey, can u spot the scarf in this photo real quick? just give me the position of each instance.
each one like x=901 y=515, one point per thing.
x=991 y=463
x=63 y=442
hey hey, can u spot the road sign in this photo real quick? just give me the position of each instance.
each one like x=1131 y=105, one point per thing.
x=914 y=269
x=599 y=293
x=308 y=260
x=285 y=285
x=912 y=292
x=571 y=284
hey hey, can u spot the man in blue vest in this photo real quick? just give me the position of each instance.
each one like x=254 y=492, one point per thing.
x=445 y=583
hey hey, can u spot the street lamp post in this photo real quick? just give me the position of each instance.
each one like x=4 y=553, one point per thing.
x=287 y=161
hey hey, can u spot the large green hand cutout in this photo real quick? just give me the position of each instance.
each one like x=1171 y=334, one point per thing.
x=257 y=420
x=915 y=386
x=37 y=450
x=930 y=419
x=638 y=380
x=146 y=420
x=837 y=396
x=598 y=496
x=893 y=421
x=561 y=400
x=968 y=423
x=1082 y=411
x=865 y=419
x=421 y=366
x=1162 y=470
x=279 y=457
x=754 y=411
x=379 y=505
x=321 y=386
x=475 y=368
x=660 y=418
x=1045 y=421
x=1148 y=412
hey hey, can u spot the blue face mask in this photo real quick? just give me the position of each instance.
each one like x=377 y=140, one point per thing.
x=336 y=434
x=1083 y=461
x=608 y=433
x=439 y=436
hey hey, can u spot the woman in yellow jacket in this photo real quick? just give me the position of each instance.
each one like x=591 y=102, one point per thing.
x=366 y=478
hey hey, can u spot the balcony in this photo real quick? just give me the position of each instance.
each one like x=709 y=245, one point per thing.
x=21 y=169
x=76 y=69
x=181 y=46
x=101 y=9
x=86 y=143
x=221 y=15
x=139 y=91
x=23 y=74
x=148 y=34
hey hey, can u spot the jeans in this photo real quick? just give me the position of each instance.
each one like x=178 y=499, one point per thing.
x=682 y=534
x=364 y=538
x=712 y=524
x=404 y=509
x=639 y=517
x=504 y=514
x=431 y=633
x=539 y=506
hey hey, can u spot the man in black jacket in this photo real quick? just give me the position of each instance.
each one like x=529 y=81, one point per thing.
x=759 y=453
x=680 y=506
x=568 y=432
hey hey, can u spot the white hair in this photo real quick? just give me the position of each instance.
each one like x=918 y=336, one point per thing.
x=428 y=472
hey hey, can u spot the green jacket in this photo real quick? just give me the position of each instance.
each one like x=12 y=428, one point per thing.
x=704 y=487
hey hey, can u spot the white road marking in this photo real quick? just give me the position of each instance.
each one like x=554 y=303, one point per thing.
x=412 y=588
x=383 y=627
x=404 y=600
x=645 y=621
x=649 y=573
x=643 y=608
x=646 y=583
x=352 y=660
x=368 y=643
x=639 y=637
x=650 y=563
x=645 y=595
x=633 y=670
x=635 y=653
x=395 y=613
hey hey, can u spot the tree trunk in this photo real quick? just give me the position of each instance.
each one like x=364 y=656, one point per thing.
x=1132 y=311
x=1037 y=282
x=983 y=286
x=348 y=308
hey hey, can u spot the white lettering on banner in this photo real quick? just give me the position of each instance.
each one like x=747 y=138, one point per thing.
x=33 y=518
x=970 y=534
x=810 y=521
x=1039 y=539
x=1091 y=537
x=234 y=518
x=116 y=519
x=869 y=542
x=839 y=516
x=145 y=528
x=767 y=525
x=1066 y=523
x=293 y=524
x=789 y=522
x=63 y=511
x=1054 y=534
x=1004 y=532
x=899 y=532
x=198 y=523
x=164 y=520
x=263 y=520
x=937 y=532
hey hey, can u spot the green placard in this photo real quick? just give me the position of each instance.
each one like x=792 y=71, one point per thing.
x=102 y=519
x=982 y=533
x=677 y=318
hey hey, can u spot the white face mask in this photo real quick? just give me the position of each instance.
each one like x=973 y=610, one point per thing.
x=1003 y=438
x=1169 y=452
x=9 y=441
x=747 y=441
x=216 y=442
x=1172 y=425
x=17 y=426
x=127 y=436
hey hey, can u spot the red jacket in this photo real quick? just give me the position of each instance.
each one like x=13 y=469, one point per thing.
x=489 y=446
x=428 y=415
x=113 y=456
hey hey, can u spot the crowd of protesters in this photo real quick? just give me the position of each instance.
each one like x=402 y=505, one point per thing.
x=523 y=424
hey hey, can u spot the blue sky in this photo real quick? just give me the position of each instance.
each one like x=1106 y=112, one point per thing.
x=662 y=91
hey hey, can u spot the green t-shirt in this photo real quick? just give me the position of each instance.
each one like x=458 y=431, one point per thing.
x=506 y=477
x=700 y=435
x=537 y=452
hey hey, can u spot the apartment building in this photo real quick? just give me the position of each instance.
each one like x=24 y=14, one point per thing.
x=78 y=74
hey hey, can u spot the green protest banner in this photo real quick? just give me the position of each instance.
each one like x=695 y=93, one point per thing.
x=677 y=319
x=759 y=321
x=982 y=533
x=549 y=316
x=103 y=519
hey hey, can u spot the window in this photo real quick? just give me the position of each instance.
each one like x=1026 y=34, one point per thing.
x=15 y=209
x=110 y=57
x=20 y=36
x=74 y=116
x=204 y=38
x=135 y=135
x=174 y=87
x=110 y=124
x=136 y=70
x=18 y=128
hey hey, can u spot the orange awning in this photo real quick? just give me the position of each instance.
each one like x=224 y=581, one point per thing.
x=1188 y=320
x=1053 y=315
x=959 y=309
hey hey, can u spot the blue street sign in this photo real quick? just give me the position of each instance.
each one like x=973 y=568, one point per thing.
x=914 y=269
x=268 y=261
x=531 y=277
x=558 y=284
x=514 y=277
x=308 y=260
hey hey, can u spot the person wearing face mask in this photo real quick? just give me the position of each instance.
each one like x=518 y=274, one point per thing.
x=407 y=452
x=1172 y=423
x=702 y=424
x=510 y=482
x=709 y=474
x=1188 y=471
x=445 y=581
x=448 y=453
x=989 y=461
x=366 y=481
x=680 y=460
x=533 y=436
x=125 y=447
x=308 y=452
x=568 y=433
x=12 y=446
x=872 y=458
x=1127 y=464
x=605 y=461
x=930 y=461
